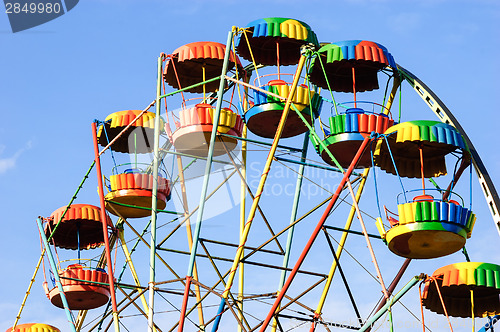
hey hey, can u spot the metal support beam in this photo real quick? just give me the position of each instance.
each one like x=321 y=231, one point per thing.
x=154 y=202
x=293 y=216
x=111 y=278
x=260 y=188
x=369 y=323
x=204 y=188
x=56 y=275
x=315 y=233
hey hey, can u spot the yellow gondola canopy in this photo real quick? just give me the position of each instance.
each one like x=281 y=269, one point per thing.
x=34 y=327
x=137 y=139
x=456 y=281
x=404 y=141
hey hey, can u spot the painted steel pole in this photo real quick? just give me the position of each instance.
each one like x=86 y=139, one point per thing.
x=56 y=275
x=315 y=233
x=154 y=201
x=293 y=216
x=32 y=281
x=295 y=207
x=393 y=284
x=369 y=323
x=260 y=189
x=130 y=263
x=206 y=178
x=189 y=234
x=340 y=248
x=243 y=195
x=111 y=278
x=368 y=243
x=352 y=212
x=101 y=263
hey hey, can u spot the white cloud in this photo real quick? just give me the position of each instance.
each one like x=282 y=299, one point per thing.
x=10 y=162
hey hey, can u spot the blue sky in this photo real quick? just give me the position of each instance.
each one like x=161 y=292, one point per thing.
x=100 y=57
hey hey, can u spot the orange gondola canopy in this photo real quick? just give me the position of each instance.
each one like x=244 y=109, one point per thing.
x=81 y=224
x=197 y=62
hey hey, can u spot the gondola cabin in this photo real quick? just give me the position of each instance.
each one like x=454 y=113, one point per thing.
x=276 y=42
x=468 y=289
x=263 y=117
x=429 y=228
x=131 y=194
x=347 y=131
x=425 y=226
x=194 y=130
x=138 y=138
x=84 y=288
x=351 y=66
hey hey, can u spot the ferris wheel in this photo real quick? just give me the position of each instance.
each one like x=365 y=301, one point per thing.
x=245 y=197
